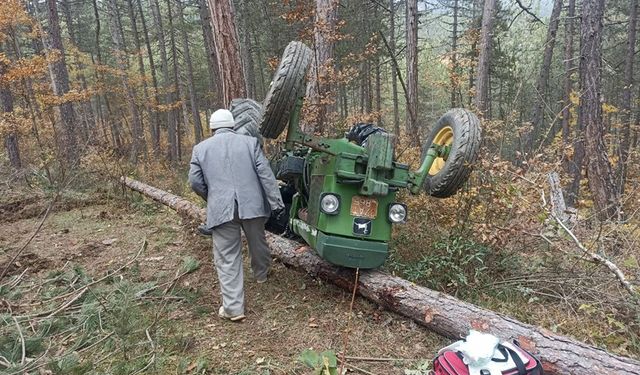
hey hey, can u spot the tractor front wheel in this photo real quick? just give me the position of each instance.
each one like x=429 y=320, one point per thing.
x=457 y=134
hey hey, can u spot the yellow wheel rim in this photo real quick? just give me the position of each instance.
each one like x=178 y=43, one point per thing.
x=443 y=138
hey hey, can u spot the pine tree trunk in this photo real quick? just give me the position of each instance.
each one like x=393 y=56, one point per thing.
x=156 y=118
x=85 y=109
x=625 y=116
x=394 y=77
x=319 y=96
x=176 y=81
x=453 y=74
x=412 y=69
x=137 y=135
x=484 y=59
x=537 y=117
x=153 y=115
x=169 y=98
x=568 y=71
x=215 y=84
x=195 y=112
x=67 y=142
x=601 y=179
x=10 y=139
x=227 y=50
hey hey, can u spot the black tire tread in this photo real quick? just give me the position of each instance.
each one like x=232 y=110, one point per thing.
x=451 y=178
x=247 y=114
x=287 y=86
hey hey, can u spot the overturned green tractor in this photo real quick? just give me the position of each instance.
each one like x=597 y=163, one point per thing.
x=341 y=193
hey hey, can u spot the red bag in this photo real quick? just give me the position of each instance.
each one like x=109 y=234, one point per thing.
x=512 y=360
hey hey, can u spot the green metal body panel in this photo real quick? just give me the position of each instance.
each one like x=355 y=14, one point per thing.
x=347 y=170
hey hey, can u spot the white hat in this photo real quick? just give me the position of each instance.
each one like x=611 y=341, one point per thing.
x=221 y=118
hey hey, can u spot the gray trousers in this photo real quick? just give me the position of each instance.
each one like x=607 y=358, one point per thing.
x=227 y=257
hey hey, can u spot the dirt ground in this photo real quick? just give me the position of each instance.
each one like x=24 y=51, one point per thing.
x=290 y=313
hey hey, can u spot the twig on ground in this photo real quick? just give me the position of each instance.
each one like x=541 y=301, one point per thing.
x=616 y=271
x=345 y=336
x=374 y=359
x=33 y=235
x=355 y=368
x=68 y=303
x=24 y=351
x=142 y=248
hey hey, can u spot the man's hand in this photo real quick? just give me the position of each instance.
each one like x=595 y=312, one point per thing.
x=279 y=213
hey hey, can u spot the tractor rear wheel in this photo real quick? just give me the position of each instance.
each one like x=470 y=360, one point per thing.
x=458 y=129
x=247 y=114
x=287 y=86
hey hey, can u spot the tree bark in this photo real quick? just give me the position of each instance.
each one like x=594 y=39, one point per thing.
x=319 y=97
x=568 y=71
x=394 y=78
x=176 y=82
x=153 y=115
x=195 y=112
x=436 y=311
x=227 y=48
x=484 y=59
x=453 y=74
x=215 y=85
x=155 y=127
x=67 y=143
x=169 y=98
x=537 y=117
x=85 y=110
x=601 y=180
x=412 y=69
x=626 y=97
x=10 y=139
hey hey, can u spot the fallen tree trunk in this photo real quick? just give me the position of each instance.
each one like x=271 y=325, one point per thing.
x=438 y=312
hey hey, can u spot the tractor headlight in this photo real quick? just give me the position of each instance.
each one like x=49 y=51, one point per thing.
x=397 y=213
x=330 y=204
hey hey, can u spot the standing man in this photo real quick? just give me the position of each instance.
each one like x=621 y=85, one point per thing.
x=232 y=174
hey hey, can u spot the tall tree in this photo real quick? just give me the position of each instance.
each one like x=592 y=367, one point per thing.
x=537 y=117
x=412 y=69
x=626 y=96
x=177 y=84
x=318 y=95
x=225 y=40
x=601 y=180
x=60 y=76
x=394 y=77
x=215 y=85
x=169 y=98
x=157 y=119
x=454 y=71
x=6 y=103
x=115 y=26
x=154 y=118
x=484 y=58
x=568 y=71
x=195 y=112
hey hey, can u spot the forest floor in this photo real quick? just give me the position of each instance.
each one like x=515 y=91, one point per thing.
x=166 y=319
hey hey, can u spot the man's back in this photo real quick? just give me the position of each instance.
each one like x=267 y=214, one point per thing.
x=228 y=168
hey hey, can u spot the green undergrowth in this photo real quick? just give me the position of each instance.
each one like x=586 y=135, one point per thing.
x=535 y=287
x=76 y=323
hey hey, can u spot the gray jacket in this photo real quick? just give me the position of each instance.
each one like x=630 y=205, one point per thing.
x=228 y=168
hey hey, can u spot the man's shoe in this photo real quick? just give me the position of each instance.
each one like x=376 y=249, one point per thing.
x=224 y=315
x=261 y=281
x=203 y=230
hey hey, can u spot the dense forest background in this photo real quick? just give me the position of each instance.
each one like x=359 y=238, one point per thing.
x=95 y=89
